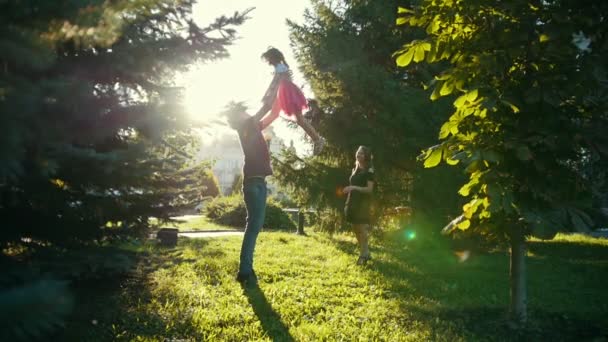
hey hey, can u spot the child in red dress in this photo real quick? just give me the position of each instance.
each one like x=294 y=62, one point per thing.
x=283 y=96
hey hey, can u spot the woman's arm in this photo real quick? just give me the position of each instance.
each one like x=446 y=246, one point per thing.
x=364 y=189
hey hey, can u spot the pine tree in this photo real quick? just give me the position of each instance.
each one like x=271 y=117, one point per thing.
x=91 y=127
x=92 y=130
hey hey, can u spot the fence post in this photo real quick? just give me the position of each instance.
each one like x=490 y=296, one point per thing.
x=300 y=230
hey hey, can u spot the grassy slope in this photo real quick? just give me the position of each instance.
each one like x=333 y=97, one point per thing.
x=310 y=290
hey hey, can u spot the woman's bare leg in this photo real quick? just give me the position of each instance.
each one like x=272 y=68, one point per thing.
x=357 y=232
x=364 y=233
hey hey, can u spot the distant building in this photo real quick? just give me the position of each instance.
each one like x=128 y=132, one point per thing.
x=228 y=156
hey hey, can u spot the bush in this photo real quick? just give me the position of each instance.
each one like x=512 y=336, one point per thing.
x=230 y=211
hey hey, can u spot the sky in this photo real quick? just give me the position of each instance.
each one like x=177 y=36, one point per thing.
x=244 y=76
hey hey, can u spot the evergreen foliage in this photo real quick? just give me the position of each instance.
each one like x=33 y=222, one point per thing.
x=93 y=137
x=211 y=185
x=91 y=126
x=344 y=51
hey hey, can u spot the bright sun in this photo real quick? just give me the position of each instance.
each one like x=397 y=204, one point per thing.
x=206 y=93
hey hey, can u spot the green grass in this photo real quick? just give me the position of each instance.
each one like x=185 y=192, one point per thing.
x=193 y=224
x=311 y=290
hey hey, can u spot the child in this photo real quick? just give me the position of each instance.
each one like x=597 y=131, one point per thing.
x=283 y=95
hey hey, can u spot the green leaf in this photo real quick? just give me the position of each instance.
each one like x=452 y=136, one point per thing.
x=443 y=77
x=404 y=10
x=464 y=225
x=446 y=128
x=431 y=56
x=471 y=208
x=451 y=161
x=419 y=54
x=406 y=58
x=460 y=101
x=513 y=107
x=465 y=190
x=434 y=158
x=402 y=20
x=446 y=88
x=436 y=93
x=472 y=95
x=433 y=26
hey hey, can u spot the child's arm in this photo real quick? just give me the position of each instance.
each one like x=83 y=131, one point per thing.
x=269 y=97
x=260 y=113
x=268 y=119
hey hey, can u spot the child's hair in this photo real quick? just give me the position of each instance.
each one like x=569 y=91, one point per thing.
x=274 y=56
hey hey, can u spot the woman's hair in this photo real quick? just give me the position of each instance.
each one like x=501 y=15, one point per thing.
x=369 y=158
x=274 y=56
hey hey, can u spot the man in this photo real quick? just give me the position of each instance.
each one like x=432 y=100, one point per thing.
x=255 y=170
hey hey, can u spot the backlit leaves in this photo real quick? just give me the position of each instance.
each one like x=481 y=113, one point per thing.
x=522 y=100
x=414 y=51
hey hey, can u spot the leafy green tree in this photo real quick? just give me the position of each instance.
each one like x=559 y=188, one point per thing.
x=343 y=49
x=528 y=80
x=237 y=184
x=91 y=126
x=210 y=183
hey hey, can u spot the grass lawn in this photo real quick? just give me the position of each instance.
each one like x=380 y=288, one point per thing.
x=311 y=290
x=193 y=223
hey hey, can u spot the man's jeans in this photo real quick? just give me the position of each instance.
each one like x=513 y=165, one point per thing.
x=254 y=191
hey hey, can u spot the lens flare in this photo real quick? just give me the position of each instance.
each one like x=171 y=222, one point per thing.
x=410 y=234
x=462 y=255
x=340 y=192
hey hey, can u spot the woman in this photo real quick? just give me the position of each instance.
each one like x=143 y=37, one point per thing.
x=358 y=202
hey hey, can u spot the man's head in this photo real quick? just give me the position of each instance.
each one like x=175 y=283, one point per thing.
x=236 y=114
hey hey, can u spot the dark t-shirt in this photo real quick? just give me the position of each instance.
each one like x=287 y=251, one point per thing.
x=255 y=149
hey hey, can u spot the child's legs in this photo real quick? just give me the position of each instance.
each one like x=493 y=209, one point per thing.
x=302 y=122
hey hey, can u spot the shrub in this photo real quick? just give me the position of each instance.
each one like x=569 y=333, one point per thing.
x=230 y=211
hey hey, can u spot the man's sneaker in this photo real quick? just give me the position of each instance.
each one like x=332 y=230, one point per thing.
x=247 y=279
x=318 y=148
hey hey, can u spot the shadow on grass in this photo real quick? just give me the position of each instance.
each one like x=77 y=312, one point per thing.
x=492 y=324
x=568 y=250
x=469 y=299
x=271 y=321
x=104 y=306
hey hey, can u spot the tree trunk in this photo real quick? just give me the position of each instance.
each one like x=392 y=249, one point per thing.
x=519 y=295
